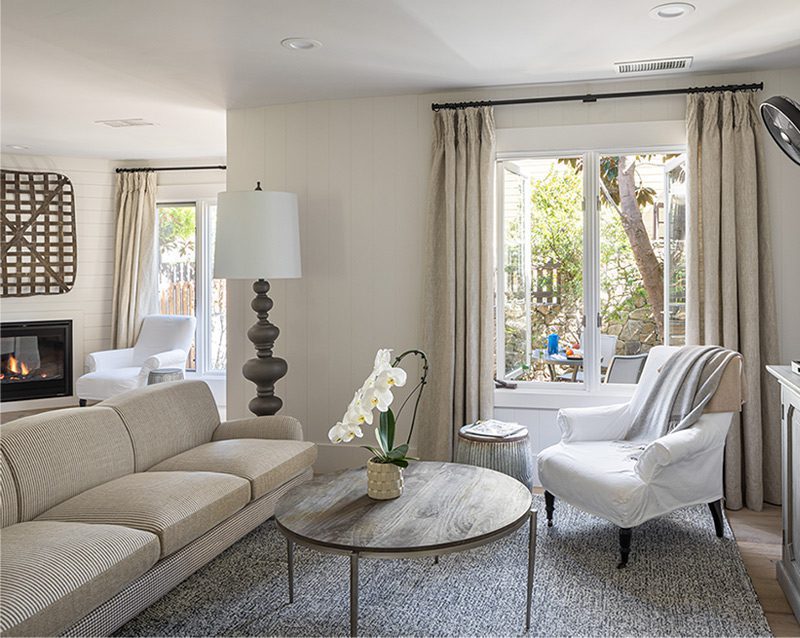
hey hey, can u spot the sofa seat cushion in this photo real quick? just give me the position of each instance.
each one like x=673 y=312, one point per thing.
x=266 y=463
x=108 y=383
x=598 y=477
x=52 y=574
x=175 y=506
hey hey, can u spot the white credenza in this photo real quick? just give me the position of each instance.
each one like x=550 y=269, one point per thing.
x=788 y=568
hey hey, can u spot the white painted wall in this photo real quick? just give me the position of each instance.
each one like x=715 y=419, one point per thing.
x=360 y=170
x=88 y=304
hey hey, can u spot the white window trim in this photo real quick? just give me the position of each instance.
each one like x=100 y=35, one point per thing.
x=541 y=394
x=203 y=274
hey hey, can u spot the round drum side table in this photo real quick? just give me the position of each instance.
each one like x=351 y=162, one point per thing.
x=512 y=455
x=162 y=375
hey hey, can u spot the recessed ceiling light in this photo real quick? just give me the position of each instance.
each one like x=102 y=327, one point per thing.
x=671 y=10
x=18 y=147
x=301 y=44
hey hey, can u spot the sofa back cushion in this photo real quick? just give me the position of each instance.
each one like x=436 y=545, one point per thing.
x=166 y=419
x=9 y=512
x=55 y=455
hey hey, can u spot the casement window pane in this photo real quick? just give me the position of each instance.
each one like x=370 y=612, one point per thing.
x=642 y=216
x=543 y=267
x=177 y=277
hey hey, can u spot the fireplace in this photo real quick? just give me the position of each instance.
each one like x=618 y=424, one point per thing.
x=35 y=360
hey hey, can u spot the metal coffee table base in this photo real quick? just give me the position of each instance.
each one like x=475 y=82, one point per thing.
x=291 y=539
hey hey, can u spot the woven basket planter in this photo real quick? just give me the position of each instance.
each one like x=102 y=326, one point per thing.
x=384 y=480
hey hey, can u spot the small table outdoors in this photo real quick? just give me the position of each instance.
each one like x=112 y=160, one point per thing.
x=552 y=361
x=444 y=508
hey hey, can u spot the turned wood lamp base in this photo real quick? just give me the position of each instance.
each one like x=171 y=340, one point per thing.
x=264 y=369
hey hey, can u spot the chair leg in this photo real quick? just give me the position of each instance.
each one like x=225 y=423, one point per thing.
x=716 y=514
x=625 y=534
x=82 y=403
x=549 y=507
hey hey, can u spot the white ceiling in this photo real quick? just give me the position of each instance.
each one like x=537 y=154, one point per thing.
x=181 y=63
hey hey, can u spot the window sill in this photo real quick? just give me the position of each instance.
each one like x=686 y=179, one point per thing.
x=536 y=398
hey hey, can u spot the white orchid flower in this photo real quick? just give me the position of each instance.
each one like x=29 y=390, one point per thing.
x=336 y=433
x=378 y=397
x=358 y=412
x=391 y=377
x=352 y=430
x=383 y=360
x=344 y=432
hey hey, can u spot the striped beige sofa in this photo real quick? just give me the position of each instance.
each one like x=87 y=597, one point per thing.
x=105 y=509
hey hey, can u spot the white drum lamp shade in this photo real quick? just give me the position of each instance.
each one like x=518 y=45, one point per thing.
x=258 y=236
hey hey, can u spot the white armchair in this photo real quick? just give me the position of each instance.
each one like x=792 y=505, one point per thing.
x=163 y=342
x=628 y=483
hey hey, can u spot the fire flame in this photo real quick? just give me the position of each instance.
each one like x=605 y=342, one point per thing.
x=17 y=367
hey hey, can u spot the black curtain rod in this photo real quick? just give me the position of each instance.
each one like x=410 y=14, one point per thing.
x=171 y=168
x=588 y=97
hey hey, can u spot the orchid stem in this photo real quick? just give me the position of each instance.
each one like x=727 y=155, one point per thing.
x=420 y=386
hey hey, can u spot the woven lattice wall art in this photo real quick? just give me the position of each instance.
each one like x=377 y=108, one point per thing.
x=39 y=253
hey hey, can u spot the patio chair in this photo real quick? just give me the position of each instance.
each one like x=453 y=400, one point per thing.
x=608 y=345
x=625 y=368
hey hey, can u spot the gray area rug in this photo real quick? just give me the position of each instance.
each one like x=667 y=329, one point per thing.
x=681 y=581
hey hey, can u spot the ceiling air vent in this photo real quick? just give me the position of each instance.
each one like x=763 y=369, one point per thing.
x=133 y=121
x=663 y=65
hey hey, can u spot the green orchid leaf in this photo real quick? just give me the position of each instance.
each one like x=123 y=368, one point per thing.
x=389 y=429
x=383 y=427
x=401 y=448
x=374 y=451
x=400 y=462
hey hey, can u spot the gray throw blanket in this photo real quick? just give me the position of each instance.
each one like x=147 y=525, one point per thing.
x=686 y=383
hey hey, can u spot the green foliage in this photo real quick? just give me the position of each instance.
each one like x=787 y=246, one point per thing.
x=176 y=228
x=387 y=453
x=557 y=240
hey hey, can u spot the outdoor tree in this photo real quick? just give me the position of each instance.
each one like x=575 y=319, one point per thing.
x=621 y=189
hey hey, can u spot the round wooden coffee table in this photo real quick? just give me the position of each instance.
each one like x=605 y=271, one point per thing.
x=444 y=508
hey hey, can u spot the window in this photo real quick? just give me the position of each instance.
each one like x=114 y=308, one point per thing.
x=186 y=284
x=583 y=235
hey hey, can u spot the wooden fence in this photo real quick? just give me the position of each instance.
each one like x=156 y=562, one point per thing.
x=178 y=295
x=546 y=283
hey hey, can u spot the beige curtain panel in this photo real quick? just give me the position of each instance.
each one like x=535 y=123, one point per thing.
x=135 y=293
x=459 y=290
x=729 y=287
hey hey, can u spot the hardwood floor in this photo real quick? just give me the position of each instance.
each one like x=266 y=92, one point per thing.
x=758 y=535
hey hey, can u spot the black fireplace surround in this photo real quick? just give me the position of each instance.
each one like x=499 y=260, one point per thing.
x=35 y=360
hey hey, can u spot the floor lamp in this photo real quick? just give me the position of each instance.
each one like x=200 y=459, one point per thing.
x=258 y=238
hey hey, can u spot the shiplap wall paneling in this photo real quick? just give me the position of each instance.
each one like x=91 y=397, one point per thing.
x=88 y=304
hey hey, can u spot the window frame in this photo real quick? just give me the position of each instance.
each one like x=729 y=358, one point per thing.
x=592 y=321
x=203 y=280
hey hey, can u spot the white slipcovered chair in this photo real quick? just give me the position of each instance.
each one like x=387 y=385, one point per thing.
x=163 y=342
x=593 y=469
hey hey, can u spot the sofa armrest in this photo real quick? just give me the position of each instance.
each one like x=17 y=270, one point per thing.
x=109 y=359
x=709 y=433
x=597 y=423
x=260 y=427
x=169 y=359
